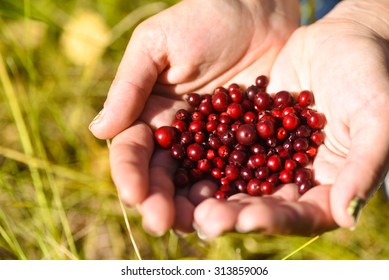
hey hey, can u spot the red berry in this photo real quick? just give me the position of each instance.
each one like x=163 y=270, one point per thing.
x=316 y=120
x=195 y=152
x=267 y=187
x=254 y=187
x=246 y=134
x=265 y=128
x=262 y=101
x=305 y=98
x=286 y=176
x=261 y=81
x=283 y=99
x=290 y=122
x=193 y=99
x=166 y=136
x=274 y=163
x=220 y=101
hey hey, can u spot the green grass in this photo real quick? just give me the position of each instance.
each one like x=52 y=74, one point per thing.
x=57 y=200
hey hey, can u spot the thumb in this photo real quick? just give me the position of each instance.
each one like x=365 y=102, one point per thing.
x=137 y=73
x=363 y=172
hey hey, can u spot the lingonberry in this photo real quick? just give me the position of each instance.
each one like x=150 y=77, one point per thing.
x=254 y=187
x=265 y=128
x=290 y=121
x=195 y=152
x=246 y=134
x=248 y=140
x=282 y=99
x=166 y=136
x=305 y=98
x=267 y=187
x=220 y=101
x=193 y=99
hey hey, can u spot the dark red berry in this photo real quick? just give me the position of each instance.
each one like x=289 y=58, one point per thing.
x=232 y=172
x=262 y=101
x=193 y=99
x=283 y=99
x=290 y=122
x=220 y=101
x=246 y=134
x=195 y=152
x=267 y=187
x=274 y=163
x=166 y=136
x=286 y=176
x=316 y=120
x=265 y=128
x=178 y=151
x=261 y=81
x=305 y=98
x=254 y=187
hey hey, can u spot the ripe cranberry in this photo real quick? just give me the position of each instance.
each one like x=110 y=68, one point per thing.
x=195 y=152
x=236 y=95
x=200 y=137
x=223 y=151
x=250 y=117
x=211 y=154
x=214 y=141
x=274 y=162
x=286 y=176
x=228 y=138
x=262 y=101
x=219 y=162
x=256 y=161
x=211 y=125
x=267 y=187
x=305 y=98
x=205 y=107
x=220 y=101
x=204 y=165
x=216 y=173
x=283 y=99
x=241 y=185
x=311 y=151
x=262 y=172
x=273 y=178
x=222 y=127
x=166 y=136
x=178 y=151
x=193 y=99
x=300 y=144
x=246 y=173
x=265 y=128
x=246 y=134
x=220 y=195
x=197 y=116
x=232 y=172
x=195 y=175
x=182 y=115
x=180 y=125
x=287 y=111
x=290 y=164
x=317 y=137
x=303 y=131
x=257 y=149
x=304 y=187
x=251 y=91
x=254 y=187
x=261 y=81
x=238 y=158
x=316 y=120
x=302 y=175
x=290 y=122
x=196 y=126
x=301 y=158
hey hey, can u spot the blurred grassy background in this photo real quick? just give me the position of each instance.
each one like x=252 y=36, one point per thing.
x=57 y=59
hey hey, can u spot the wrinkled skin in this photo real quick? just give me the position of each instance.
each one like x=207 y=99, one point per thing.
x=342 y=58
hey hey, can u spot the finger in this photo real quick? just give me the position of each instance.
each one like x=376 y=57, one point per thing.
x=184 y=214
x=130 y=154
x=273 y=215
x=213 y=217
x=157 y=209
x=363 y=172
x=135 y=78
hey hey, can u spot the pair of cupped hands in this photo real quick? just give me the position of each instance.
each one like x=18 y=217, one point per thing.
x=198 y=45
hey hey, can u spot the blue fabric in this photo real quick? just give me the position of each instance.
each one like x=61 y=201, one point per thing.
x=321 y=8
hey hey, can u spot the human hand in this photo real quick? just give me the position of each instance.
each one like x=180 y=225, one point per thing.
x=193 y=46
x=344 y=60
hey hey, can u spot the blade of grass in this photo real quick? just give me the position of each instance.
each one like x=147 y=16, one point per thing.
x=301 y=247
x=9 y=237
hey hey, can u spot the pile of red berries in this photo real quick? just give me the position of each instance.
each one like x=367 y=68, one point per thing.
x=247 y=140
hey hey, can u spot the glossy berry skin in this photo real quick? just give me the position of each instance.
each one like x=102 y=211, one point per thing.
x=286 y=176
x=262 y=101
x=282 y=99
x=317 y=137
x=232 y=172
x=195 y=152
x=301 y=158
x=261 y=81
x=274 y=163
x=166 y=136
x=220 y=101
x=235 y=111
x=305 y=98
x=246 y=134
x=193 y=99
x=254 y=187
x=290 y=122
x=316 y=120
x=178 y=151
x=302 y=175
x=265 y=128
x=267 y=187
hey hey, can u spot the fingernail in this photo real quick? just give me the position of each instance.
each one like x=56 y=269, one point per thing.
x=200 y=233
x=180 y=234
x=354 y=209
x=97 y=118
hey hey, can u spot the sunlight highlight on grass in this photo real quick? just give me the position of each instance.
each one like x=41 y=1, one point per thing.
x=301 y=247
